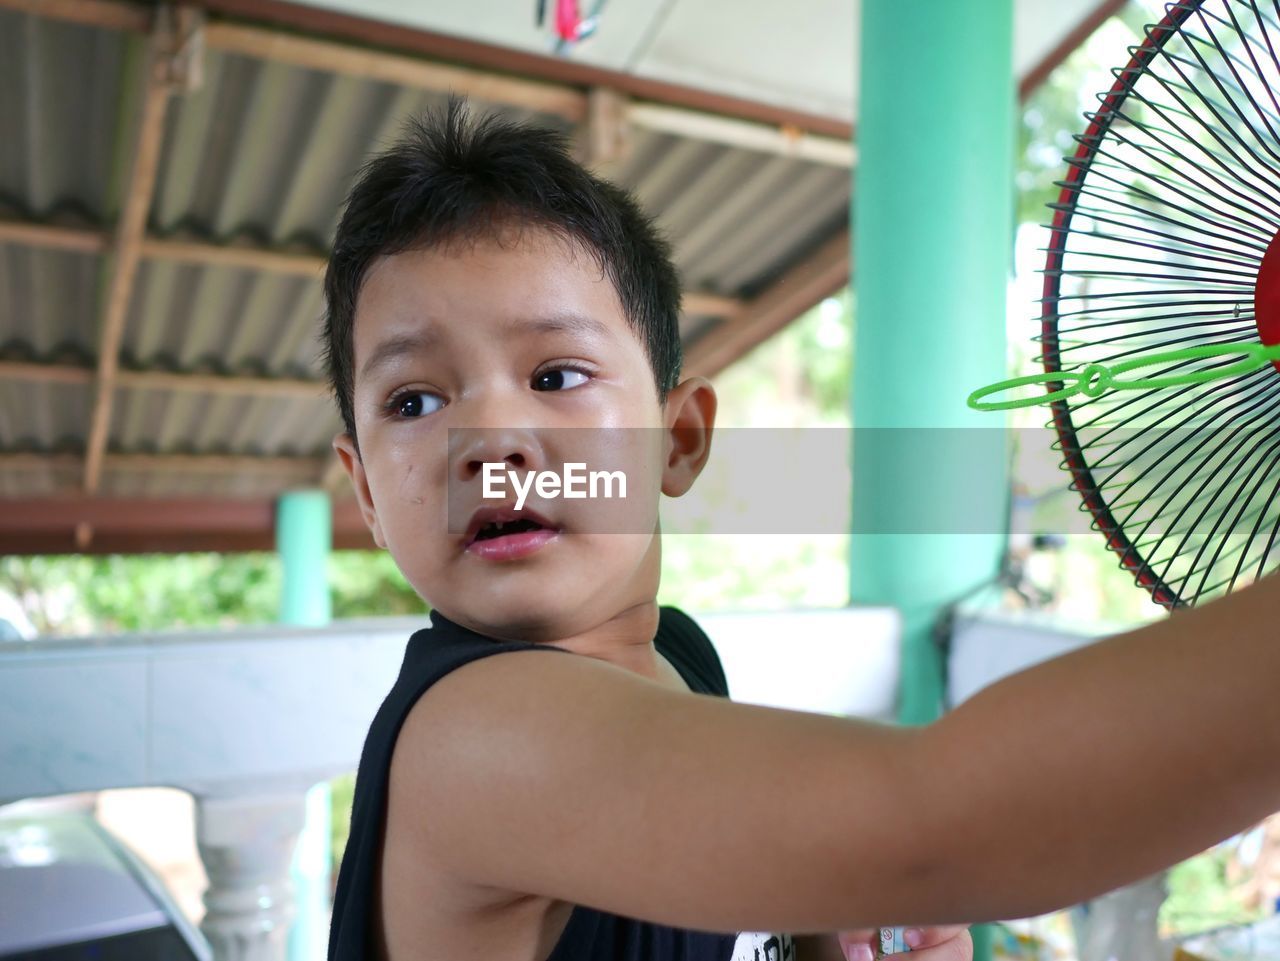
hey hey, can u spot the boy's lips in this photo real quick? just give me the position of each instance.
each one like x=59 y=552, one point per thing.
x=502 y=515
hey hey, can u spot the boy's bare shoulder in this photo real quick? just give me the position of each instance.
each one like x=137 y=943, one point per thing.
x=419 y=899
x=528 y=779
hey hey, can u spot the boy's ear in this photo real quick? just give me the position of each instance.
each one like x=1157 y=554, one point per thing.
x=345 y=447
x=690 y=418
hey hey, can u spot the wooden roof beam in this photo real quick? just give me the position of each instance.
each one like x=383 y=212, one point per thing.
x=168 y=67
x=244 y=258
x=106 y=14
x=84 y=240
x=698 y=303
x=605 y=111
x=135 y=525
x=394 y=68
x=744 y=134
x=602 y=141
x=233 y=465
x=560 y=78
x=167 y=380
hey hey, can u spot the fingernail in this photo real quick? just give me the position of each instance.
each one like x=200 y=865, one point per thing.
x=913 y=937
x=859 y=952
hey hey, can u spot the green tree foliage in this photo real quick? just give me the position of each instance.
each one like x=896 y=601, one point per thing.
x=72 y=595
x=1200 y=898
x=1055 y=113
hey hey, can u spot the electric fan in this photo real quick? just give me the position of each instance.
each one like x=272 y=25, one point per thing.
x=1164 y=258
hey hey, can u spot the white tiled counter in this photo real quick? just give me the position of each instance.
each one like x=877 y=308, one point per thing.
x=248 y=720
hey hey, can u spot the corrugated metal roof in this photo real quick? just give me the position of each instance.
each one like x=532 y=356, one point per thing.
x=59 y=107
x=263 y=155
x=43 y=417
x=48 y=302
x=187 y=317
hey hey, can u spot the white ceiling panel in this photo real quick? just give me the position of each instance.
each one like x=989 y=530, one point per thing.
x=1040 y=25
x=800 y=55
x=626 y=24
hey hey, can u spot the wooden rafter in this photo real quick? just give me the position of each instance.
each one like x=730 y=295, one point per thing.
x=215 y=384
x=687 y=113
x=252 y=258
x=745 y=134
x=130 y=525
x=45 y=373
x=107 y=14
x=551 y=85
x=127 y=241
x=506 y=61
x=85 y=240
x=394 y=68
x=245 y=258
x=603 y=138
x=167 y=380
x=227 y=465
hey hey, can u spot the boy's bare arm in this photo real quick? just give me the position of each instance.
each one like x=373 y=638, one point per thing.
x=1110 y=762
x=571 y=778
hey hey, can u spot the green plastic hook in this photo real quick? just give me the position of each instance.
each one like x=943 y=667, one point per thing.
x=1094 y=380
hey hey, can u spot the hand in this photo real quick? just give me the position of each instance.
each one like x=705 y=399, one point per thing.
x=943 y=943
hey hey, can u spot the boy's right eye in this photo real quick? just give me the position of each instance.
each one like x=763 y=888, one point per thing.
x=414 y=403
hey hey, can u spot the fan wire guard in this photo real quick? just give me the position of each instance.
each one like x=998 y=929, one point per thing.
x=1160 y=240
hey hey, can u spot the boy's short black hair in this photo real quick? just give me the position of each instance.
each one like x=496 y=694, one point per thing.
x=451 y=177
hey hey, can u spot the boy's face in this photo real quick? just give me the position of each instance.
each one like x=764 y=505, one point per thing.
x=513 y=351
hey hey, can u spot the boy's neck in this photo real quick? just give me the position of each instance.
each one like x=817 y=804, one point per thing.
x=626 y=639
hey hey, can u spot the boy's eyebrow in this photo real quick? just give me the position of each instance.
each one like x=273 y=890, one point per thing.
x=393 y=347
x=567 y=321
x=426 y=339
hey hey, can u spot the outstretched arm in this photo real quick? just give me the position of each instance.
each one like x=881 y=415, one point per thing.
x=564 y=776
x=1174 y=731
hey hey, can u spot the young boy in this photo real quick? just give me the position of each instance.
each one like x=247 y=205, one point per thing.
x=491 y=303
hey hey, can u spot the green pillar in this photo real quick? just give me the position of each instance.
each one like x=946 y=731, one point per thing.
x=932 y=238
x=304 y=537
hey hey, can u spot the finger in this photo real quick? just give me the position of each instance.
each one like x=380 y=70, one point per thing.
x=858 y=936
x=957 y=947
x=928 y=937
x=858 y=944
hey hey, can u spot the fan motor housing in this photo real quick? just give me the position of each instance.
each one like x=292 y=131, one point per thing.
x=1266 y=297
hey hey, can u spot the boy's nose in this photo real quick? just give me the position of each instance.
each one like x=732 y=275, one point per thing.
x=470 y=448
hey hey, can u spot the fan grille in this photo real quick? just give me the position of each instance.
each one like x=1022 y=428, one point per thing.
x=1170 y=204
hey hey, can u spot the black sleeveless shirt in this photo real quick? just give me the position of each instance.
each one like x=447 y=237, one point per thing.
x=590 y=935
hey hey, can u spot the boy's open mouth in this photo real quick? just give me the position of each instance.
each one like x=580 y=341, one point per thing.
x=499 y=529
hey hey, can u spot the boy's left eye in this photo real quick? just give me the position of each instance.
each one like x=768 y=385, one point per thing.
x=560 y=378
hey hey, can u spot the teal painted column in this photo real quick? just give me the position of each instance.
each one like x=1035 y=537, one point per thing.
x=304 y=537
x=932 y=239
